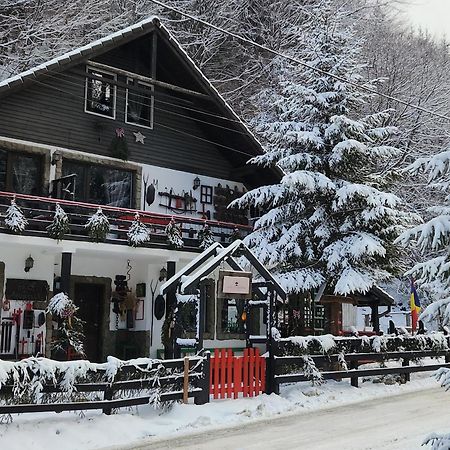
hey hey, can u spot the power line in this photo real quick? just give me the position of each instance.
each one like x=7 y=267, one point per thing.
x=299 y=61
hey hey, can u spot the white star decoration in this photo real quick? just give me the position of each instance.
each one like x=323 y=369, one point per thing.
x=139 y=137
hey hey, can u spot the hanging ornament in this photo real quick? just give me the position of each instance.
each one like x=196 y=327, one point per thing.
x=98 y=226
x=138 y=234
x=15 y=220
x=139 y=137
x=60 y=224
x=174 y=234
x=205 y=237
x=119 y=146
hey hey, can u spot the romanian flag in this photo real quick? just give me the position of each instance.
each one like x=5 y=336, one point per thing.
x=415 y=306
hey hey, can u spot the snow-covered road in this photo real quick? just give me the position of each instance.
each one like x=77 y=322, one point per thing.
x=394 y=423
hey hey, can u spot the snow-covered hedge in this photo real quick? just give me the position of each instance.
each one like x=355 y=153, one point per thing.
x=329 y=344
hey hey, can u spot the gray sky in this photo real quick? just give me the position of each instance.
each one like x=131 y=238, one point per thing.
x=434 y=15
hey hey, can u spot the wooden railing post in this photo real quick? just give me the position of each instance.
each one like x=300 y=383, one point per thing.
x=354 y=366
x=186 y=380
x=203 y=383
x=108 y=395
x=407 y=376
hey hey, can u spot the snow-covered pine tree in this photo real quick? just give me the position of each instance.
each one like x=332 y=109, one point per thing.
x=174 y=234
x=15 y=220
x=70 y=327
x=138 y=234
x=98 y=226
x=328 y=220
x=433 y=240
x=60 y=224
x=205 y=237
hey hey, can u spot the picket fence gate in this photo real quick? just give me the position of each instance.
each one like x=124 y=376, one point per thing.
x=231 y=375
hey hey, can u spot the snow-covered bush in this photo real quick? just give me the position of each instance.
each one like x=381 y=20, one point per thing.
x=15 y=219
x=138 y=234
x=60 y=224
x=174 y=234
x=98 y=226
x=206 y=237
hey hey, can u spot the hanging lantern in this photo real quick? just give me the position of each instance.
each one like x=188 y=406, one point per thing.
x=162 y=274
x=196 y=183
x=29 y=263
x=244 y=316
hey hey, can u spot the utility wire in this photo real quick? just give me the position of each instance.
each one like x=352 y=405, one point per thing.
x=299 y=61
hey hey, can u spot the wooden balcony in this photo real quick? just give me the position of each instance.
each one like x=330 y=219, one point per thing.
x=39 y=212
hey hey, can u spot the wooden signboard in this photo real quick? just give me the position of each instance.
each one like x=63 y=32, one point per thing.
x=26 y=290
x=237 y=285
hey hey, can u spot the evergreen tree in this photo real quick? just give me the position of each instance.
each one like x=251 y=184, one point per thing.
x=206 y=237
x=138 y=234
x=328 y=220
x=174 y=234
x=60 y=224
x=15 y=219
x=98 y=226
x=433 y=240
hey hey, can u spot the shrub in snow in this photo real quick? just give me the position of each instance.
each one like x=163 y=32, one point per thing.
x=60 y=224
x=15 y=220
x=138 y=234
x=174 y=234
x=206 y=237
x=98 y=226
x=329 y=219
x=70 y=327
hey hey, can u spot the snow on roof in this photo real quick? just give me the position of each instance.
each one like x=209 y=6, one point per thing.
x=139 y=28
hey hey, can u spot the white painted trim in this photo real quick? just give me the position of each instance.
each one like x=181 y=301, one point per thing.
x=152 y=104
x=113 y=117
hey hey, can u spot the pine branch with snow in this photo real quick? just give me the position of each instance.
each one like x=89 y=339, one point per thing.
x=60 y=224
x=98 y=226
x=206 y=237
x=174 y=234
x=138 y=234
x=15 y=220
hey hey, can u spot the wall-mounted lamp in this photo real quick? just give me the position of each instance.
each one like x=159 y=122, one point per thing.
x=29 y=263
x=162 y=274
x=196 y=183
x=56 y=157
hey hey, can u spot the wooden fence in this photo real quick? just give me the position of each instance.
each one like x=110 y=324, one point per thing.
x=336 y=366
x=180 y=379
x=231 y=375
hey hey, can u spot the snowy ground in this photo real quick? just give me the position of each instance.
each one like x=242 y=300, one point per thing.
x=69 y=431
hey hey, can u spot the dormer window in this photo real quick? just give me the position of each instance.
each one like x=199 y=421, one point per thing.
x=139 y=109
x=101 y=93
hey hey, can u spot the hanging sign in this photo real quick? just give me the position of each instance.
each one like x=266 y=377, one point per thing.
x=234 y=284
x=26 y=290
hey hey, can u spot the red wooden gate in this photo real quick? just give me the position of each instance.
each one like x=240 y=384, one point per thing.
x=230 y=375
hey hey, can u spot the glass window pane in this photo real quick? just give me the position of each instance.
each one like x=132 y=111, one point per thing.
x=110 y=187
x=232 y=316
x=139 y=106
x=100 y=94
x=72 y=168
x=3 y=164
x=26 y=174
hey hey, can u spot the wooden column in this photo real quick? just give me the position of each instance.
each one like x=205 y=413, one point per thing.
x=171 y=300
x=375 y=319
x=201 y=314
x=66 y=269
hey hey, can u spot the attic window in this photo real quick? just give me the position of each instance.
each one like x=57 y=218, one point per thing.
x=101 y=93
x=139 y=109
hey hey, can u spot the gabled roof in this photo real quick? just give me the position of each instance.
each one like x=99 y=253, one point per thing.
x=86 y=52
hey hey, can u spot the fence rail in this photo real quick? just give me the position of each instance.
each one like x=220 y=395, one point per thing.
x=185 y=378
x=39 y=213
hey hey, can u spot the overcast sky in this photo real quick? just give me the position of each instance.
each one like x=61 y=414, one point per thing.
x=433 y=15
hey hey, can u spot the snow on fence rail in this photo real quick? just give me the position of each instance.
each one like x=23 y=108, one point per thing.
x=40 y=384
x=318 y=358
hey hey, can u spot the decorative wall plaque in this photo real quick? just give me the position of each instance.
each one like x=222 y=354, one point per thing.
x=26 y=290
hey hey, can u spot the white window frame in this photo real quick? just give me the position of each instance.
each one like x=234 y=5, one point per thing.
x=88 y=69
x=152 y=102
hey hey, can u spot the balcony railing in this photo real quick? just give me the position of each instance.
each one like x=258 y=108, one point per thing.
x=39 y=212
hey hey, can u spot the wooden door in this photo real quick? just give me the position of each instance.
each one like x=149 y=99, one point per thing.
x=89 y=298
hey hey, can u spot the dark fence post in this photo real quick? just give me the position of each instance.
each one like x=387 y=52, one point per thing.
x=407 y=376
x=271 y=385
x=108 y=395
x=203 y=383
x=353 y=366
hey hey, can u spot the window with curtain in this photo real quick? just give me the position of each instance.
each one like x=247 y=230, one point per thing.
x=139 y=103
x=101 y=184
x=101 y=93
x=21 y=172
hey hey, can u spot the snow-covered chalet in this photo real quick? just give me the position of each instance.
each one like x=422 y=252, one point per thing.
x=129 y=123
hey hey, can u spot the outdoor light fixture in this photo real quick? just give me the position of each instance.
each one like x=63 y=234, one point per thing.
x=196 y=183
x=162 y=274
x=29 y=263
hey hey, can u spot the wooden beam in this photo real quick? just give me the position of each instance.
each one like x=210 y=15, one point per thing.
x=66 y=268
x=149 y=80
